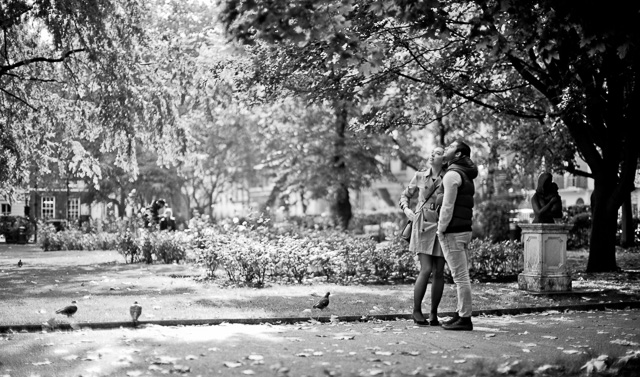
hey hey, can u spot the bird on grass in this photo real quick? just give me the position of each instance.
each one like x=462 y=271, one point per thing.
x=323 y=303
x=68 y=310
x=20 y=263
x=135 y=310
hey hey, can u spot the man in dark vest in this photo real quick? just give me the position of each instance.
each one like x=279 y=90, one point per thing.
x=454 y=226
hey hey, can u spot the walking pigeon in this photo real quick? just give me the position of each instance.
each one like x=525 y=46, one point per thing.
x=135 y=310
x=68 y=310
x=323 y=303
x=20 y=263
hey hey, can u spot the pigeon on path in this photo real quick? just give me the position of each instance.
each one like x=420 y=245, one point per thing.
x=20 y=263
x=68 y=310
x=135 y=310
x=323 y=303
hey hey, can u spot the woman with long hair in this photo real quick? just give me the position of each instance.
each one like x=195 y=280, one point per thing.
x=423 y=236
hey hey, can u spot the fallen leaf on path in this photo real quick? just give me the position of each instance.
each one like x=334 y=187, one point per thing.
x=318 y=353
x=255 y=357
x=231 y=364
x=375 y=372
x=547 y=368
x=92 y=357
x=180 y=369
x=571 y=352
x=489 y=335
x=303 y=354
x=549 y=337
x=526 y=350
x=248 y=371
x=624 y=342
x=410 y=353
x=164 y=360
x=191 y=357
x=344 y=337
x=460 y=361
x=45 y=362
x=598 y=364
x=70 y=357
x=134 y=373
x=508 y=367
x=383 y=353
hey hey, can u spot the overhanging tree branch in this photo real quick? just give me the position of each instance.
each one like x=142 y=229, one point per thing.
x=6 y=68
x=19 y=99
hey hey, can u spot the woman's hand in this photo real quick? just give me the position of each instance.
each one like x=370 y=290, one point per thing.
x=409 y=213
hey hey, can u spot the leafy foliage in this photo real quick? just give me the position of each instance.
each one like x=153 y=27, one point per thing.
x=570 y=69
x=492 y=220
x=74 y=239
x=492 y=260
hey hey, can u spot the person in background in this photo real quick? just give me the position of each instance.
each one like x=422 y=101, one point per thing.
x=454 y=226
x=168 y=222
x=423 y=236
x=152 y=217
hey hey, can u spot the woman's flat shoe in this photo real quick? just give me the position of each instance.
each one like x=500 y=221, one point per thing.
x=421 y=323
x=434 y=322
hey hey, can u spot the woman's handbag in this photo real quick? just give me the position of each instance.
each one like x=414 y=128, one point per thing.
x=406 y=232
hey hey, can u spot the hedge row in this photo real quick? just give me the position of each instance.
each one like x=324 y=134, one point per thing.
x=257 y=252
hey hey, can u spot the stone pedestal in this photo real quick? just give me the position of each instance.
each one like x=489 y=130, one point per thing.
x=545 y=258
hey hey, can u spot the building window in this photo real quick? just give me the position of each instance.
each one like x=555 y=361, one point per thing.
x=73 y=208
x=48 y=207
x=6 y=209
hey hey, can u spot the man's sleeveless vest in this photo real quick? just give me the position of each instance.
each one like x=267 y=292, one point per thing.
x=461 y=219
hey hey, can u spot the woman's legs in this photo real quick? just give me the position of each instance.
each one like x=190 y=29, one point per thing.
x=437 y=287
x=421 y=285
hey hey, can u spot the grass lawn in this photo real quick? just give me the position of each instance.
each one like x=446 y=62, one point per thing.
x=104 y=287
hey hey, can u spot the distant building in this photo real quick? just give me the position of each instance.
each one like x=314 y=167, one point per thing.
x=45 y=203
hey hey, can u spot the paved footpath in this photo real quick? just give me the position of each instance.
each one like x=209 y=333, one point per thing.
x=376 y=348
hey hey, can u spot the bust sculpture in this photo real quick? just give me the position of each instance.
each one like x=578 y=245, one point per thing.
x=546 y=202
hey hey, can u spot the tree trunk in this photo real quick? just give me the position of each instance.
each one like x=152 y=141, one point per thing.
x=341 y=206
x=627 y=238
x=604 y=215
x=122 y=205
x=275 y=193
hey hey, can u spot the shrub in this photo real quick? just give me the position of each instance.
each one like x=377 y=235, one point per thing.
x=128 y=247
x=168 y=247
x=492 y=220
x=636 y=232
x=74 y=239
x=489 y=260
x=10 y=228
x=580 y=232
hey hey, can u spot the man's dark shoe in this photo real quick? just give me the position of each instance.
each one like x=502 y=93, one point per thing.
x=453 y=319
x=462 y=324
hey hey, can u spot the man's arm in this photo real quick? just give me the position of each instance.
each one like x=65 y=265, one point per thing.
x=451 y=181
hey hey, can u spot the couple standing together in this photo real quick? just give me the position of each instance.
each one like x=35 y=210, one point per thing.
x=442 y=230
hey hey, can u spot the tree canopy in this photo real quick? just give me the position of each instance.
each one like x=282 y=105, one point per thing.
x=73 y=73
x=562 y=63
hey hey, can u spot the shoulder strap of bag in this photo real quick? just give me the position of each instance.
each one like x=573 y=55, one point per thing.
x=435 y=187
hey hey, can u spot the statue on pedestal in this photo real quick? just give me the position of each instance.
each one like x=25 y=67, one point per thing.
x=546 y=202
